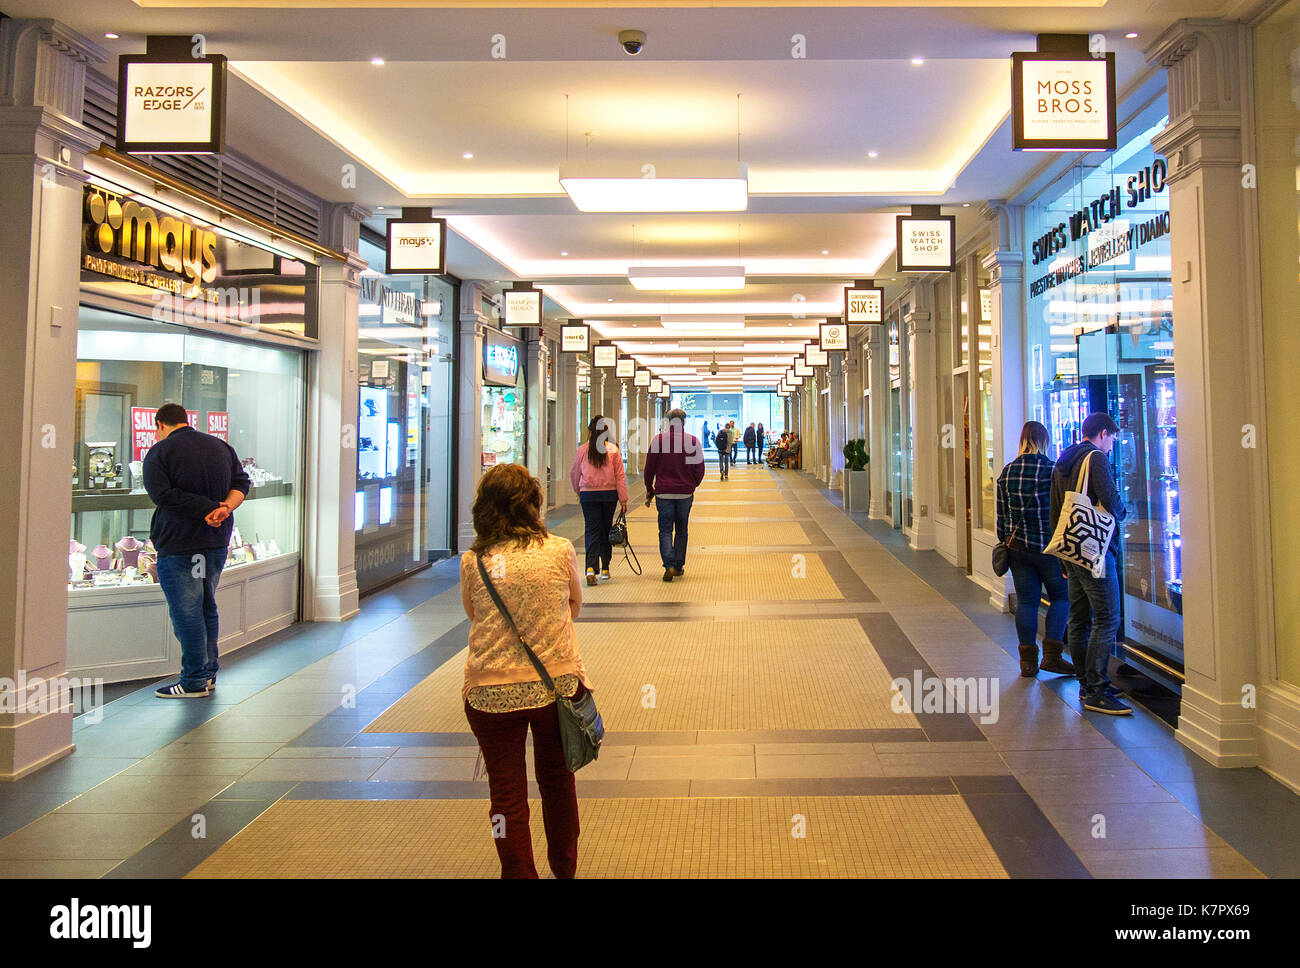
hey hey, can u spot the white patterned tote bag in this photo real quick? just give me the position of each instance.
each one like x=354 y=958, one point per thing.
x=1083 y=531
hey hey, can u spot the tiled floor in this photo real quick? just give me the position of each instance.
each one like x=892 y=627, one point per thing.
x=753 y=731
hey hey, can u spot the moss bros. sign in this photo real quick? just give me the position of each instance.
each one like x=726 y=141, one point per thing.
x=1063 y=101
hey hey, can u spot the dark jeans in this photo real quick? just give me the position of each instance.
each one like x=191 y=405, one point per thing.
x=724 y=462
x=501 y=737
x=761 y=442
x=189 y=583
x=749 y=453
x=1094 y=624
x=674 y=512
x=598 y=509
x=734 y=447
x=1033 y=571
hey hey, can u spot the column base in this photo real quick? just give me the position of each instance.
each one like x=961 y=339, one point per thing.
x=23 y=748
x=337 y=598
x=1221 y=733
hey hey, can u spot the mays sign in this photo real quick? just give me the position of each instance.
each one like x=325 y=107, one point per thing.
x=415 y=246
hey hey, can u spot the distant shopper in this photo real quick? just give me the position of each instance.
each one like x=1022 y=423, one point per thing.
x=723 y=443
x=536 y=575
x=598 y=477
x=779 y=451
x=750 y=442
x=195 y=481
x=1094 y=602
x=761 y=441
x=735 y=440
x=674 y=467
x=787 y=455
x=704 y=434
x=1024 y=506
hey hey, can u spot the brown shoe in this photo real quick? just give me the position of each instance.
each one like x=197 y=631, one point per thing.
x=1053 y=661
x=1029 y=661
x=677 y=572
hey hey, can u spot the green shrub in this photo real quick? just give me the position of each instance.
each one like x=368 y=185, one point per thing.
x=856 y=457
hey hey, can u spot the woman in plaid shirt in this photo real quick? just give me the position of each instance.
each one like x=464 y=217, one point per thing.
x=1024 y=526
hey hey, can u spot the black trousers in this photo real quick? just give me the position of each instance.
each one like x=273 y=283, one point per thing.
x=749 y=453
x=598 y=509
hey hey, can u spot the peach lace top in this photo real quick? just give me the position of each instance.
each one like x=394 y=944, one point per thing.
x=533 y=581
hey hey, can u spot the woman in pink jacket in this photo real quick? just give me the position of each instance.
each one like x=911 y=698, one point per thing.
x=597 y=475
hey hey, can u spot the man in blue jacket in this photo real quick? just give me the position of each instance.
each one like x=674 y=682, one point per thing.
x=196 y=481
x=1094 y=602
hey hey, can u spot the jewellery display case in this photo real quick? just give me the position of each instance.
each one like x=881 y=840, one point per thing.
x=248 y=394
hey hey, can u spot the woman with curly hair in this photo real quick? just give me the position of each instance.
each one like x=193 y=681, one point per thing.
x=536 y=575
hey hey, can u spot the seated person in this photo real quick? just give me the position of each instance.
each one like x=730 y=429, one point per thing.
x=786 y=455
x=778 y=453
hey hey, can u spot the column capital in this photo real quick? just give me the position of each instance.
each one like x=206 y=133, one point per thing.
x=1204 y=59
x=473 y=300
x=1009 y=223
x=917 y=321
x=342 y=224
x=43 y=64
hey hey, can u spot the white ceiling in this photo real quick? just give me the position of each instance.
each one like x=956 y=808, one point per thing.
x=305 y=101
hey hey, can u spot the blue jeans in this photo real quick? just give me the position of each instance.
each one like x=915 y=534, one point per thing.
x=598 y=509
x=673 y=515
x=724 y=460
x=189 y=583
x=1032 y=571
x=1094 y=624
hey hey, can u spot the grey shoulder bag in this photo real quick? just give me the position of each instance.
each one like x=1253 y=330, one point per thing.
x=581 y=729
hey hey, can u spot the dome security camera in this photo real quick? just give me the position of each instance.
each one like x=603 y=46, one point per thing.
x=632 y=41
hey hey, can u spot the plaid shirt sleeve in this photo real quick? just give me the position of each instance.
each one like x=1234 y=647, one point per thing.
x=1002 y=504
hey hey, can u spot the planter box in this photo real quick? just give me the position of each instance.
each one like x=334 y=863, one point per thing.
x=857 y=490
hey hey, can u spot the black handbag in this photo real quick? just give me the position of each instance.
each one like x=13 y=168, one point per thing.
x=1002 y=556
x=581 y=728
x=618 y=536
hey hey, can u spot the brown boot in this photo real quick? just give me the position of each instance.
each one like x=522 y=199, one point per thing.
x=1029 y=661
x=1053 y=661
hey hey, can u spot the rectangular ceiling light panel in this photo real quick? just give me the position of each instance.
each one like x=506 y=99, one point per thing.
x=683 y=278
x=670 y=187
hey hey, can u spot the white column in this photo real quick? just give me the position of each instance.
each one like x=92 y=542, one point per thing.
x=922 y=405
x=835 y=423
x=1217 y=370
x=42 y=146
x=535 y=460
x=568 y=413
x=470 y=442
x=878 y=424
x=329 y=558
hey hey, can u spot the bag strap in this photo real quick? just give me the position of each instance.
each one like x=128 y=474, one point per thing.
x=505 y=613
x=1081 y=484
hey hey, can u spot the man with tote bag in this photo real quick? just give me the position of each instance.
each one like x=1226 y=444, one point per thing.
x=1086 y=509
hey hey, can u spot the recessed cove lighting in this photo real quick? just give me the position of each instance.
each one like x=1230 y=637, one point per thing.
x=918 y=61
x=1131 y=34
x=377 y=61
x=873 y=154
x=112 y=36
x=965 y=204
x=467 y=155
x=669 y=187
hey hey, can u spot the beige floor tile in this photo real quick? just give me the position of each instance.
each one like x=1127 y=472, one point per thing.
x=146 y=793
x=1025 y=761
x=85 y=836
x=427 y=768
x=815 y=749
x=1129 y=785
x=1129 y=825
x=941 y=764
x=72 y=868
x=697 y=749
x=815 y=765
x=691 y=767
x=1171 y=862
x=193 y=766
x=316 y=768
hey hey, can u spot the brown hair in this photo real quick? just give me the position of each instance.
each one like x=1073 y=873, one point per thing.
x=596 y=437
x=507 y=507
x=1033 y=438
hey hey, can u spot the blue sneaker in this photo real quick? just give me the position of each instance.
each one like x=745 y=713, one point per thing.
x=1107 y=704
x=177 y=691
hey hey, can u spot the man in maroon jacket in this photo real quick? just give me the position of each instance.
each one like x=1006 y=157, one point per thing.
x=674 y=467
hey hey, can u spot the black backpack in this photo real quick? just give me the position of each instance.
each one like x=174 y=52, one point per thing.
x=723 y=440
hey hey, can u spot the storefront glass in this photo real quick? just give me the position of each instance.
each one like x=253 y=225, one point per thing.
x=1100 y=338
x=502 y=407
x=404 y=350
x=249 y=395
x=1277 y=99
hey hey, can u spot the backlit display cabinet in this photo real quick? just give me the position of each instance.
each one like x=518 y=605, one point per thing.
x=248 y=394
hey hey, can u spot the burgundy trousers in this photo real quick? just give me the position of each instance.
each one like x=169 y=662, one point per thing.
x=501 y=737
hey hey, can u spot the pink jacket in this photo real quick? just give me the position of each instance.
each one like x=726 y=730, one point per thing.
x=611 y=477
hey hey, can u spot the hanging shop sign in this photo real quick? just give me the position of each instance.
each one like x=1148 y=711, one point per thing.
x=416 y=246
x=656 y=386
x=927 y=243
x=802 y=369
x=666 y=391
x=575 y=338
x=641 y=378
x=521 y=307
x=816 y=356
x=833 y=335
x=862 y=305
x=604 y=356
x=626 y=368
x=1063 y=101
x=789 y=375
x=500 y=359
x=171 y=104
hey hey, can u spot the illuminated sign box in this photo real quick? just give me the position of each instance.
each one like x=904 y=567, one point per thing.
x=656 y=386
x=416 y=246
x=523 y=307
x=833 y=336
x=817 y=357
x=1063 y=102
x=862 y=306
x=802 y=369
x=575 y=338
x=927 y=243
x=500 y=359
x=626 y=367
x=170 y=106
x=642 y=378
x=605 y=356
